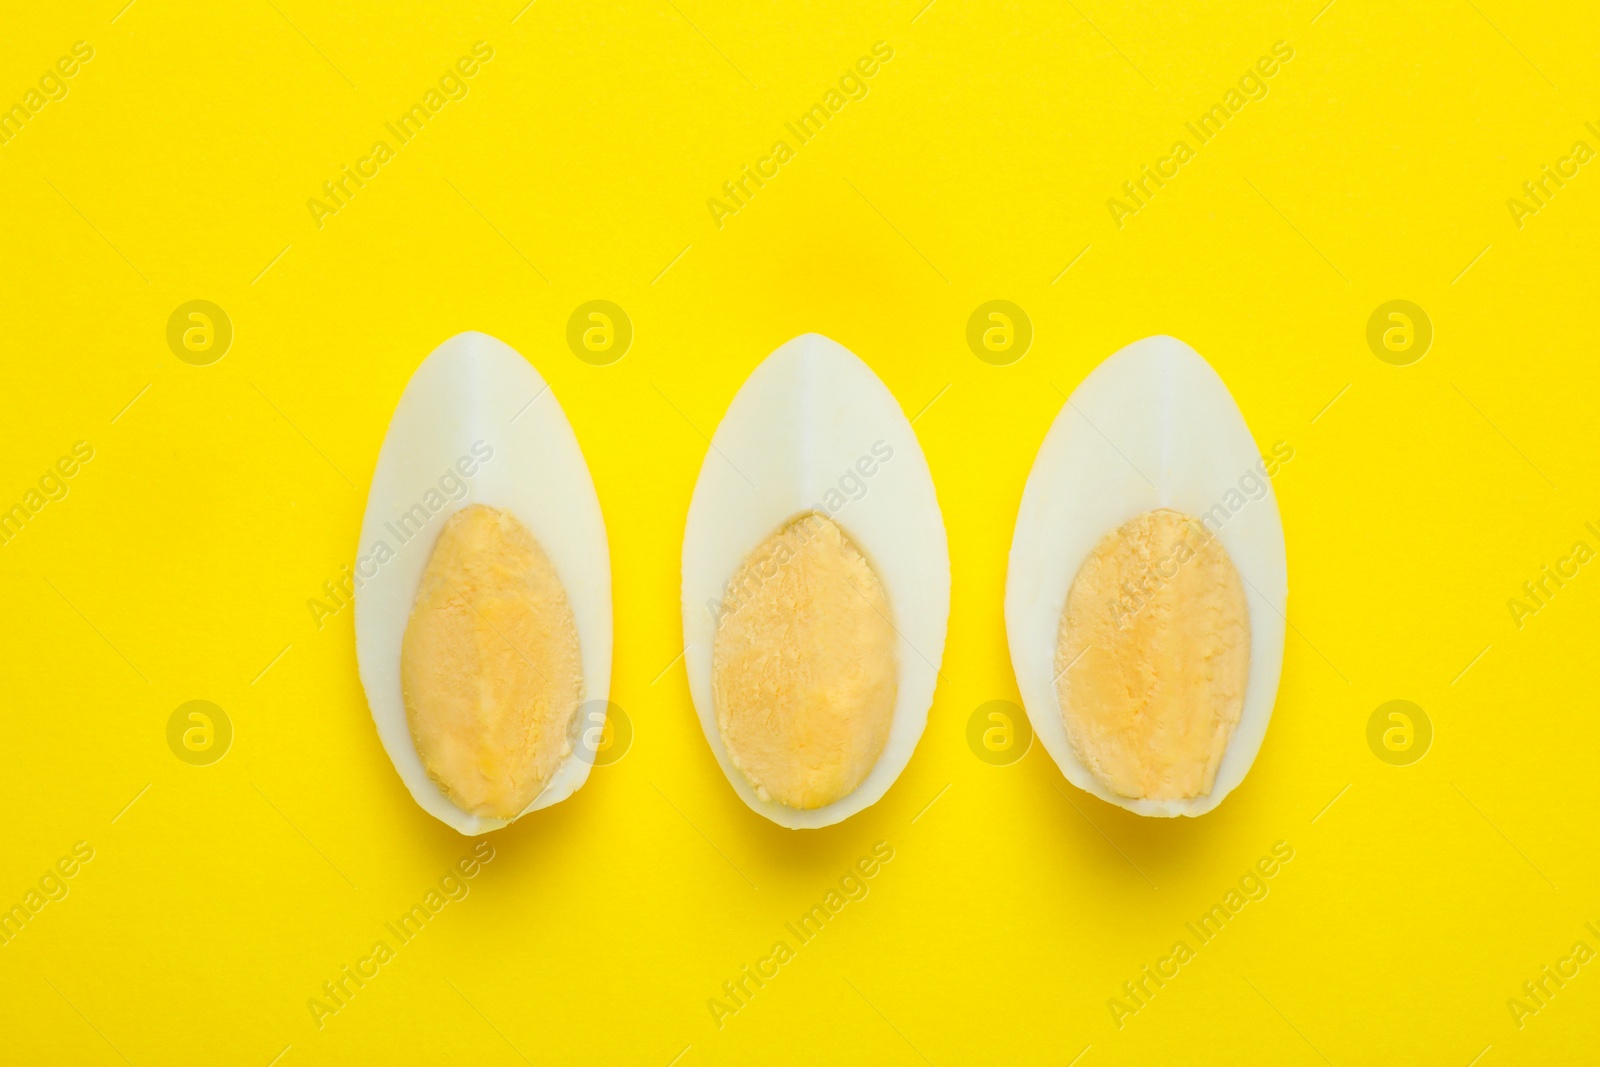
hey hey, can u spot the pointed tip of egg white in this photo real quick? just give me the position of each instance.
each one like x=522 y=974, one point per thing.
x=810 y=340
x=472 y=337
x=1161 y=352
x=814 y=347
x=480 y=351
x=472 y=342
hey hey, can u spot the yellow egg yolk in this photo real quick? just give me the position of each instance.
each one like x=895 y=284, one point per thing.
x=489 y=666
x=1153 y=657
x=803 y=665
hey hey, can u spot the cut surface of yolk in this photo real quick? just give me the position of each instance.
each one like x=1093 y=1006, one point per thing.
x=489 y=666
x=1153 y=657
x=803 y=665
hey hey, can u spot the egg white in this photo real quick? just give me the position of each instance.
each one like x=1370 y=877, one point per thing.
x=474 y=388
x=804 y=419
x=1151 y=427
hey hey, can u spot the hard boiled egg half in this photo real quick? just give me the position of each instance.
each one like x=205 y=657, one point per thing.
x=1147 y=585
x=483 y=599
x=816 y=587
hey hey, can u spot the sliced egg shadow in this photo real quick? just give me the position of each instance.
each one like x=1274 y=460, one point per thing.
x=1152 y=847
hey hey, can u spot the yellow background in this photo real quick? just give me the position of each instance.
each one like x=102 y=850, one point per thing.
x=978 y=167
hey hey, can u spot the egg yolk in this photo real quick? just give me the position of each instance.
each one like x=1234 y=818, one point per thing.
x=803 y=665
x=1153 y=657
x=489 y=666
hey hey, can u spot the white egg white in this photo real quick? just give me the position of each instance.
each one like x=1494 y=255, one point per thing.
x=1151 y=427
x=474 y=394
x=792 y=441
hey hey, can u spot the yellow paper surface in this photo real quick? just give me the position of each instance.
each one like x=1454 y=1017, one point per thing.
x=1376 y=164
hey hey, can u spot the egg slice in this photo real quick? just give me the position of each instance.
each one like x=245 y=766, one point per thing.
x=1147 y=585
x=483 y=591
x=816 y=587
